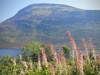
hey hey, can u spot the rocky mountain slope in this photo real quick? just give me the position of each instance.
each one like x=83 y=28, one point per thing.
x=48 y=23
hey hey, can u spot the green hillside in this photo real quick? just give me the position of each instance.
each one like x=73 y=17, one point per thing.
x=48 y=23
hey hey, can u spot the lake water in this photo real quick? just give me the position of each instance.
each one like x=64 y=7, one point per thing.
x=11 y=52
x=16 y=52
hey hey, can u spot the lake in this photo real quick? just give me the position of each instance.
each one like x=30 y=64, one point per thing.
x=15 y=52
x=11 y=52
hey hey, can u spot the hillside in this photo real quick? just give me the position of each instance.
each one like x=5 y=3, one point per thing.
x=48 y=23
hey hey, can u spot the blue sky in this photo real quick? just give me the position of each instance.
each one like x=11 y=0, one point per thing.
x=9 y=8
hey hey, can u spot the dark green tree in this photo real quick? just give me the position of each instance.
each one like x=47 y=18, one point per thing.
x=48 y=53
x=67 y=52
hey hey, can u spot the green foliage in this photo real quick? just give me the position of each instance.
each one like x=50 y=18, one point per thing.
x=31 y=49
x=91 y=69
x=67 y=51
x=48 y=53
x=7 y=68
x=6 y=65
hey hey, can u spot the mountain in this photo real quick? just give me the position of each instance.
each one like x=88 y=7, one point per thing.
x=48 y=23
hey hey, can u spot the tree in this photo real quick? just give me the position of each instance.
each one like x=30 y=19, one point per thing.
x=67 y=52
x=31 y=50
x=48 y=52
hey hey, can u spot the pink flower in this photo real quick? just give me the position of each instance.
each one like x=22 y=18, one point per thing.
x=80 y=63
x=92 y=48
x=24 y=64
x=54 y=54
x=86 y=51
x=52 y=69
x=39 y=62
x=74 y=47
x=44 y=57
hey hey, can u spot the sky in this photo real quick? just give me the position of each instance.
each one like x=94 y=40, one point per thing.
x=9 y=8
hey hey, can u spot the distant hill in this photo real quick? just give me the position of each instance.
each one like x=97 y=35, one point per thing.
x=48 y=23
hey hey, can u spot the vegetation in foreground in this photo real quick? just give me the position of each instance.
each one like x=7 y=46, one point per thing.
x=38 y=59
